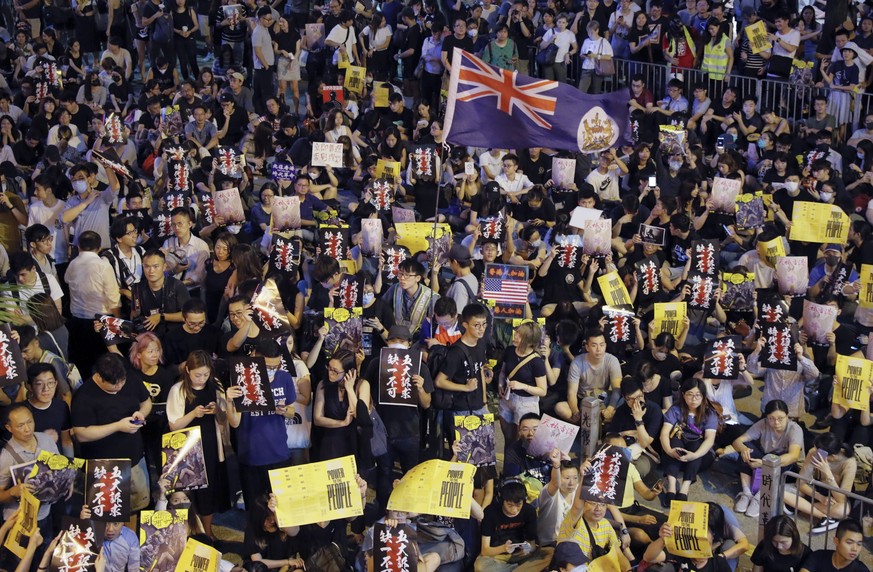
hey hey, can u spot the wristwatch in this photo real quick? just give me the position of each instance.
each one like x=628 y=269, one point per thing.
x=639 y=423
x=163 y=316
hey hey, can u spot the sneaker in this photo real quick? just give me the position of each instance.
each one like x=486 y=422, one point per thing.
x=787 y=510
x=742 y=504
x=825 y=525
x=754 y=510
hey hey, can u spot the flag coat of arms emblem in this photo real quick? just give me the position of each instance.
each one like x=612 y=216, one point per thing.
x=492 y=107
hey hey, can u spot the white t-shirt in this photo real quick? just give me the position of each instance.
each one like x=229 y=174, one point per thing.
x=564 y=40
x=598 y=46
x=792 y=37
x=340 y=35
x=496 y=164
x=606 y=186
x=38 y=213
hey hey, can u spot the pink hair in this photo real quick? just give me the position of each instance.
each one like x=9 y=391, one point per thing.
x=139 y=345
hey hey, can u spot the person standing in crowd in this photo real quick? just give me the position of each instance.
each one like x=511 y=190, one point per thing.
x=264 y=59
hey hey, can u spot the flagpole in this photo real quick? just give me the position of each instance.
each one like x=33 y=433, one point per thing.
x=454 y=79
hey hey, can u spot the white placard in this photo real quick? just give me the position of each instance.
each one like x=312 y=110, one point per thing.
x=327 y=154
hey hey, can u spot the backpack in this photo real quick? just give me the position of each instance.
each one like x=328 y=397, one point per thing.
x=43 y=279
x=326 y=559
x=162 y=29
x=436 y=359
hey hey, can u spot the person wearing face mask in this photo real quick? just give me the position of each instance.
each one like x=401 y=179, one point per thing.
x=784 y=198
x=401 y=423
x=863 y=133
x=832 y=275
x=89 y=208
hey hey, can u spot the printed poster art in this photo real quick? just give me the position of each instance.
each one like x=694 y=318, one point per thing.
x=507 y=287
x=721 y=359
x=371 y=237
x=316 y=492
x=387 y=169
x=228 y=206
x=690 y=535
x=703 y=286
x=792 y=275
x=619 y=327
x=250 y=374
x=669 y=317
x=285 y=214
x=563 y=172
x=176 y=200
x=396 y=368
x=552 y=434
x=476 y=441
x=229 y=162
x=79 y=545
x=207 y=206
x=435 y=487
x=171 y=121
x=865 y=278
x=380 y=194
x=394 y=548
x=568 y=252
x=50 y=476
x=423 y=160
x=114 y=130
x=819 y=222
x=182 y=460
x=334 y=241
x=778 y=352
x=268 y=310
x=116 y=330
x=724 y=195
x=605 y=481
x=739 y=291
x=435 y=240
x=597 y=240
x=751 y=211
x=344 y=330
x=13 y=369
x=25 y=524
x=162 y=537
x=107 y=489
x=613 y=289
x=180 y=176
x=110 y=160
x=852 y=382
x=285 y=254
x=650 y=234
x=493 y=228
x=198 y=557
x=392 y=257
x=818 y=321
x=648 y=276
x=773 y=250
x=704 y=256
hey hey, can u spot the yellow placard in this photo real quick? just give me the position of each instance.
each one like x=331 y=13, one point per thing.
x=757 y=34
x=435 y=487
x=317 y=492
x=354 y=78
x=865 y=296
x=387 y=169
x=198 y=557
x=343 y=61
x=819 y=222
x=690 y=521
x=773 y=250
x=613 y=289
x=25 y=524
x=852 y=382
x=415 y=235
x=669 y=317
x=380 y=94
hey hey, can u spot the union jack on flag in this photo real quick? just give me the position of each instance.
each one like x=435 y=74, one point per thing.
x=505 y=85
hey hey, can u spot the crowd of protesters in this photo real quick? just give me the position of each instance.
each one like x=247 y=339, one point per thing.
x=100 y=104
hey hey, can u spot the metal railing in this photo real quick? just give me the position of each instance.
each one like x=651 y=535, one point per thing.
x=789 y=101
x=773 y=492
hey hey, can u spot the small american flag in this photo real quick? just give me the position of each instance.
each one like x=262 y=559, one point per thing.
x=506 y=284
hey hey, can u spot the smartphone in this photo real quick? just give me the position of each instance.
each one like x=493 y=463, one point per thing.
x=137 y=422
x=727 y=230
x=821 y=454
x=719 y=142
x=653 y=182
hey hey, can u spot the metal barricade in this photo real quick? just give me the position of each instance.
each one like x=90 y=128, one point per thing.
x=773 y=492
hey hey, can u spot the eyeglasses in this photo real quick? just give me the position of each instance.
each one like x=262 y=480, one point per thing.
x=132 y=232
x=195 y=325
x=240 y=314
x=694 y=395
x=336 y=371
x=402 y=275
x=45 y=385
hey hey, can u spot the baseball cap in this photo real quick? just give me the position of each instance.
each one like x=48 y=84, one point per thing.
x=459 y=253
x=238 y=76
x=398 y=332
x=226 y=98
x=833 y=246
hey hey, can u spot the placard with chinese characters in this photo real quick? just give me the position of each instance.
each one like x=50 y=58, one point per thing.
x=107 y=489
x=250 y=374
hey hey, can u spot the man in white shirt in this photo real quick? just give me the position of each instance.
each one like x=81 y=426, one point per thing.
x=119 y=55
x=342 y=37
x=513 y=184
x=606 y=177
x=93 y=292
x=48 y=210
x=785 y=42
x=32 y=281
x=192 y=271
x=125 y=256
x=491 y=163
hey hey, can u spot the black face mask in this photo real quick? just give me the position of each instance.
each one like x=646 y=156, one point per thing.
x=869 y=125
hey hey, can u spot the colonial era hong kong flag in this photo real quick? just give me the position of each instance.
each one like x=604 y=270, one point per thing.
x=492 y=107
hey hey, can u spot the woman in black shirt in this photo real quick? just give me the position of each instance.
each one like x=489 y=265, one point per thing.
x=781 y=549
x=265 y=542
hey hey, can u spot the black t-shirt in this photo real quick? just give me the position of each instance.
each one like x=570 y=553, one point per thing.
x=278 y=546
x=678 y=246
x=562 y=284
x=714 y=564
x=527 y=373
x=780 y=563
x=451 y=42
x=179 y=343
x=500 y=528
x=157 y=384
x=461 y=364
x=168 y=300
x=56 y=416
x=523 y=212
x=663 y=367
x=518 y=462
x=93 y=407
x=414 y=41
x=82 y=118
x=822 y=561
x=403 y=119
x=372 y=341
x=239 y=121
x=400 y=422
x=623 y=420
x=537 y=171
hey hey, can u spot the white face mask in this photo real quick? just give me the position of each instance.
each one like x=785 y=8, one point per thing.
x=792 y=186
x=399 y=346
x=473 y=33
x=80 y=186
x=368 y=298
x=826 y=197
x=536 y=243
